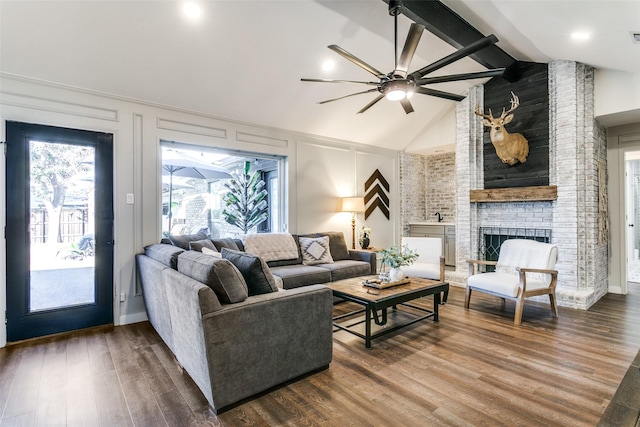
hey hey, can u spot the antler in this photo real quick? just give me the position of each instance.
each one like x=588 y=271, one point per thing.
x=481 y=113
x=515 y=103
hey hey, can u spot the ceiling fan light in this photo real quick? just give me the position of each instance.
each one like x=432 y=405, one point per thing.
x=396 y=95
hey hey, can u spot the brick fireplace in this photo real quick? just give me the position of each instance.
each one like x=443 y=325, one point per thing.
x=577 y=153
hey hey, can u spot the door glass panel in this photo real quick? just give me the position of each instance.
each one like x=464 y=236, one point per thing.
x=61 y=225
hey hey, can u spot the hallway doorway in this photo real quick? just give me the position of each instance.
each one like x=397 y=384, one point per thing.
x=632 y=214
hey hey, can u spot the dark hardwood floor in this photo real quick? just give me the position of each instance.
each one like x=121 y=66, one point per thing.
x=472 y=368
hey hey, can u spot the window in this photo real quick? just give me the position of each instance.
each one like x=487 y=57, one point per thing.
x=195 y=185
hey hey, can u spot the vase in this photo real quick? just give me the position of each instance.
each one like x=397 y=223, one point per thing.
x=365 y=243
x=395 y=274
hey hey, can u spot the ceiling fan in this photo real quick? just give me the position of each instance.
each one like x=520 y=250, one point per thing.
x=400 y=85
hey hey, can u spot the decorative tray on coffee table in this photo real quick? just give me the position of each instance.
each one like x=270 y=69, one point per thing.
x=379 y=284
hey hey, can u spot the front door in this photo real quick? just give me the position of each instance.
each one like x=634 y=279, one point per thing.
x=59 y=235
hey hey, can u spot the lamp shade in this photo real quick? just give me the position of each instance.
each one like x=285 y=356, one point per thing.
x=352 y=204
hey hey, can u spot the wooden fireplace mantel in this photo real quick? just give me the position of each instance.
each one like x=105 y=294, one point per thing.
x=515 y=194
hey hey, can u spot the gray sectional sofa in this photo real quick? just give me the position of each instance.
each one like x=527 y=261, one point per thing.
x=344 y=263
x=237 y=325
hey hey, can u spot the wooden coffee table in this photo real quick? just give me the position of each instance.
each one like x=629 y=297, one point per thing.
x=377 y=301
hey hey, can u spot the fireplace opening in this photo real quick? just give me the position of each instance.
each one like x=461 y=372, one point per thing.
x=491 y=238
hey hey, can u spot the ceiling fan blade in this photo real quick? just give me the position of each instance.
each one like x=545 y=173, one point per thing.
x=360 y=63
x=369 y=105
x=410 y=45
x=339 y=81
x=459 y=54
x=347 y=96
x=465 y=76
x=439 y=94
x=406 y=104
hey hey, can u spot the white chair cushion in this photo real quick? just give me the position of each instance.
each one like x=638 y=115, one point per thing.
x=527 y=254
x=423 y=270
x=502 y=283
x=429 y=249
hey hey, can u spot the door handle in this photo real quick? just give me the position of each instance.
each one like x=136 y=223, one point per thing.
x=630 y=225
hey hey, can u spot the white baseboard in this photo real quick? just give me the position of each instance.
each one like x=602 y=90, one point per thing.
x=133 y=318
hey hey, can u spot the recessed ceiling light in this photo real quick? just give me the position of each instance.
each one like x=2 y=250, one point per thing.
x=328 y=65
x=192 y=10
x=580 y=35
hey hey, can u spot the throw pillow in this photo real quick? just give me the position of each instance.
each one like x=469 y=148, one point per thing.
x=182 y=240
x=197 y=245
x=315 y=250
x=211 y=252
x=254 y=270
x=337 y=245
x=219 y=274
x=225 y=243
x=166 y=254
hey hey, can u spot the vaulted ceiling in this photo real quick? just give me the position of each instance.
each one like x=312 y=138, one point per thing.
x=243 y=60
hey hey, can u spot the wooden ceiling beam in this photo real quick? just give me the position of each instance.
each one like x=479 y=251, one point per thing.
x=450 y=27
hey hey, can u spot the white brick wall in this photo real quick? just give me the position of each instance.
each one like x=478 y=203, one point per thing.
x=413 y=189
x=441 y=186
x=427 y=186
x=577 y=143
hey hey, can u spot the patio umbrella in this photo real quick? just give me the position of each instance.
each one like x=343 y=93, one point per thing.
x=174 y=185
x=177 y=164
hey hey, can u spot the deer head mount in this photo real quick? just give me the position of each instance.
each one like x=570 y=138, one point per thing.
x=511 y=148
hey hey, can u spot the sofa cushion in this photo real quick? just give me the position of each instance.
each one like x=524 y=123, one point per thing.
x=337 y=245
x=271 y=246
x=346 y=269
x=294 y=276
x=165 y=254
x=197 y=245
x=315 y=250
x=255 y=271
x=239 y=244
x=225 y=243
x=219 y=274
x=182 y=240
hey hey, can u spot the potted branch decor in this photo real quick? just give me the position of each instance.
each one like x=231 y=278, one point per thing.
x=396 y=257
x=246 y=202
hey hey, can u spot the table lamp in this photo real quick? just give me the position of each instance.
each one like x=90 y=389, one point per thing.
x=353 y=205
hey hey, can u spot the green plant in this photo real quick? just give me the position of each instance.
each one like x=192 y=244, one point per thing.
x=397 y=256
x=246 y=202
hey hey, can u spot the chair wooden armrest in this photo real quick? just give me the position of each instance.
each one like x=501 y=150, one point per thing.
x=473 y=262
x=481 y=262
x=537 y=270
x=523 y=281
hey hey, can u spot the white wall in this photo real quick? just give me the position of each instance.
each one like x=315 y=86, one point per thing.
x=319 y=170
x=328 y=171
x=617 y=97
x=437 y=136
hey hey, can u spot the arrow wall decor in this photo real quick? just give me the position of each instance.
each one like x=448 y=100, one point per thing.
x=376 y=194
